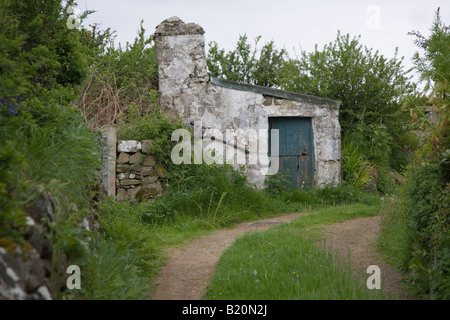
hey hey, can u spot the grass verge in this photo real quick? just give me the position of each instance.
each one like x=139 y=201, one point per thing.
x=395 y=240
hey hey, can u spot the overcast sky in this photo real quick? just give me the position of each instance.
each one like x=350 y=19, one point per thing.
x=293 y=24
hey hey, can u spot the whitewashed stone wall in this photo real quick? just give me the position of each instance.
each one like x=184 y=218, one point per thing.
x=187 y=93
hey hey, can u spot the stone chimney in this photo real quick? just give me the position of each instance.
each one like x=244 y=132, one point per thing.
x=181 y=58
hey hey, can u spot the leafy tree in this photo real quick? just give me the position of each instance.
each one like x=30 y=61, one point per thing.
x=434 y=65
x=38 y=49
x=246 y=64
x=369 y=85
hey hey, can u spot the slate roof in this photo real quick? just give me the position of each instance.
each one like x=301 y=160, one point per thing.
x=277 y=93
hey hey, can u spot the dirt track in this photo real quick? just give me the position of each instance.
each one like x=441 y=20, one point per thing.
x=189 y=270
x=357 y=239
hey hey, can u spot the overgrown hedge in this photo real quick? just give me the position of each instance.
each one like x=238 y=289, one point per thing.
x=428 y=209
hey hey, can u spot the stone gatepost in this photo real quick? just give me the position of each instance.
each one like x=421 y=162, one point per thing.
x=180 y=52
x=109 y=172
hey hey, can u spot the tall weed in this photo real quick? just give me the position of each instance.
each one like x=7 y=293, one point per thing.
x=395 y=240
x=124 y=257
x=357 y=170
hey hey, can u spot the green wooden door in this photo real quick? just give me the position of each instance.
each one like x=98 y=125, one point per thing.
x=296 y=150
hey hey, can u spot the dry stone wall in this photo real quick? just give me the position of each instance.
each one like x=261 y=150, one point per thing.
x=33 y=269
x=138 y=175
x=26 y=268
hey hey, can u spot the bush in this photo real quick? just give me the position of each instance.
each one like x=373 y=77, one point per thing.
x=427 y=208
x=385 y=183
x=357 y=171
x=119 y=77
x=12 y=217
x=58 y=147
x=149 y=125
x=403 y=151
x=374 y=141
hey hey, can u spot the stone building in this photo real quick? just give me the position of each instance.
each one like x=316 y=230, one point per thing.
x=309 y=133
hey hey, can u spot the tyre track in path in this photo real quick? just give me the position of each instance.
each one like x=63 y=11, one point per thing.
x=357 y=239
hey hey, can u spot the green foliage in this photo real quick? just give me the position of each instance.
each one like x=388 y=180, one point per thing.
x=368 y=84
x=415 y=233
x=38 y=50
x=220 y=191
x=124 y=257
x=357 y=170
x=403 y=150
x=57 y=145
x=12 y=218
x=199 y=198
x=374 y=141
x=119 y=78
x=427 y=207
x=244 y=64
x=426 y=204
x=433 y=66
x=41 y=60
x=285 y=263
x=151 y=125
x=395 y=240
x=46 y=146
